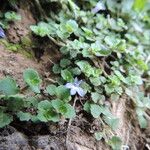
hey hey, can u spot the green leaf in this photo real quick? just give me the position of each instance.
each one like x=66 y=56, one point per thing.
x=142 y=65
x=15 y=102
x=115 y=81
x=32 y=78
x=8 y=86
x=67 y=28
x=56 y=69
x=99 y=49
x=112 y=41
x=73 y=53
x=24 y=116
x=111 y=5
x=48 y=115
x=115 y=143
x=12 y=16
x=118 y=90
x=76 y=71
x=95 y=96
x=65 y=109
x=87 y=106
x=85 y=86
x=146 y=102
x=95 y=81
x=106 y=111
x=87 y=31
x=5 y=119
x=121 y=47
x=103 y=79
x=142 y=121
x=62 y=33
x=70 y=111
x=46 y=112
x=98 y=135
x=120 y=76
x=109 y=88
x=88 y=69
x=134 y=80
x=87 y=54
x=63 y=93
x=129 y=92
x=43 y=29
x=127 y=6
x=31 y=102
x=114 y=97
x=64 y=50
x=65 y=62
x=75 y=9
x=78 y=45
x=51 y=89
x=44 y=105
x=140 y=111
x=59 y=106
x=85 y=67
x=139 y=4
x=71 y=26
x=96 y=110
x=132 y=38
x=66 y=75
x=112 y=122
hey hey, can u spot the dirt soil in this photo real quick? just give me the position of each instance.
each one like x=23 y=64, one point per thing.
x=13 y=64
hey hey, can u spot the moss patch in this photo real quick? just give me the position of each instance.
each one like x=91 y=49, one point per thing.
x=22 y=48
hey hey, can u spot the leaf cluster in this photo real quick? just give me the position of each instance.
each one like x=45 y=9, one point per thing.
x=8 y=17
x=109 y=52
x=16 y=104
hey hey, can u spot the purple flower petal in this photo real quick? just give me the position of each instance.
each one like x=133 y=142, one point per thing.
x=74 y=87
x=69 y=85
x=80 y=91
x=99 y=6
x=77 y=82
x=2 y=34
x=73 y=91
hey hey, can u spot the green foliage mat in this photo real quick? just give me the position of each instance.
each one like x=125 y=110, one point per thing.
x=105 y=49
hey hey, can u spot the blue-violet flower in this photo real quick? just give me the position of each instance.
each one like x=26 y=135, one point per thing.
x=75 y=87
x=99 y=6
x=2 y=34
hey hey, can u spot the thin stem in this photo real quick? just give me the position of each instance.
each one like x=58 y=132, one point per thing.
x=147 y=116
x=56 y=42
x=51 y=80
x=23 y=89
x=70 y=121
x=148 y=147
x=51 y=61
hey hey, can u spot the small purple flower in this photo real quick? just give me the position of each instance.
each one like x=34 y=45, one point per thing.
x=99 y=6
x=75 y=87
x=2 y=34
